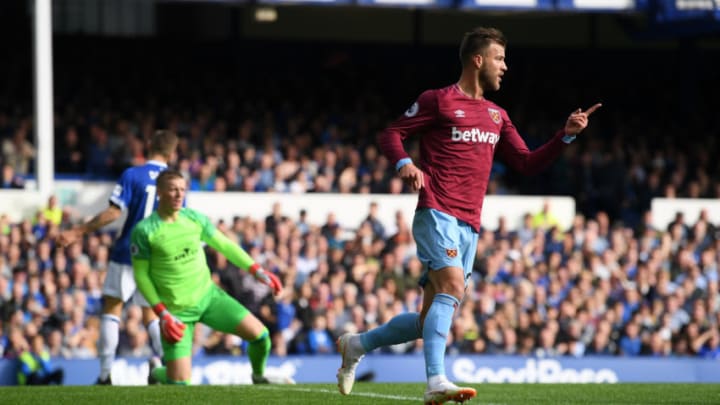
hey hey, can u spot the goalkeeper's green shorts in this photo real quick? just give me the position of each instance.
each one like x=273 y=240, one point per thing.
x=217 y=310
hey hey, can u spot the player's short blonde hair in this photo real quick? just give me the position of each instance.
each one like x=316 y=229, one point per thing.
x=163 y=142
x=166 y=176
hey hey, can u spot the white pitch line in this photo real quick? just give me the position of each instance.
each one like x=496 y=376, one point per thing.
x=354 y=394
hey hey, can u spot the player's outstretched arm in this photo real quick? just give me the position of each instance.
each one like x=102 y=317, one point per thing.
x=266 y=278
x=578 y=120
x=517 y=155
x=70 y=236
x=239 y=257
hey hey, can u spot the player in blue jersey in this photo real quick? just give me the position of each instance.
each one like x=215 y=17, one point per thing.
x=134 y=193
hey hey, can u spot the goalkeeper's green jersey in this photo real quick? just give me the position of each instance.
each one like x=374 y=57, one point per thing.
x=177 y=266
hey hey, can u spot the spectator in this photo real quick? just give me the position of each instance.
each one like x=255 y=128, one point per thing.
x=205 y=181
x=378 y=229
x=100 y=163
x=544 y=219
x=10 y=179
x=707 y=345
x=137 y=344
x=17 y=151
x=631 y=343
x=319 y=339
x=35 y=367
x=52 y=211
x=275 y=217
x=69 y=156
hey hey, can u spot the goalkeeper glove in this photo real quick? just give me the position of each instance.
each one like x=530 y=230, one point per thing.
x=172 y=328
x=266 y=278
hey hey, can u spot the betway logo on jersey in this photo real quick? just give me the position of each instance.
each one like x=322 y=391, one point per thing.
x=474 y=135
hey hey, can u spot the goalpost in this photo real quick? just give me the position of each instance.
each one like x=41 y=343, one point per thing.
x=43 y=93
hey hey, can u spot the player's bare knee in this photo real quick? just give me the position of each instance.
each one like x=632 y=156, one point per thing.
x=249 y=328
x=456 y=290
x=452 y=289
x=449 y=281
x=112 y=305
x=148 y=315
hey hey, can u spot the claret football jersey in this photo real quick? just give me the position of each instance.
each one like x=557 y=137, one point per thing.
x=459 y=137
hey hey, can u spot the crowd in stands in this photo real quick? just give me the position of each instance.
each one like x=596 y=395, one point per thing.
x=593 y=289
x=610 y=285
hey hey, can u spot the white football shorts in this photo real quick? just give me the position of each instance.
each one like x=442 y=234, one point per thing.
x=120 y=283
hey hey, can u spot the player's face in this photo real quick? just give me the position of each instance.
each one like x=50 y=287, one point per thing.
x=172 y=194
x=493 y=67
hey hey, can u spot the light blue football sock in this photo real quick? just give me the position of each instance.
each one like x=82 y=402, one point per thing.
x=435 y=331
x=400 y=329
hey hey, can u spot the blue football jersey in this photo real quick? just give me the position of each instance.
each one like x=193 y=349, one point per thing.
x=135 y=193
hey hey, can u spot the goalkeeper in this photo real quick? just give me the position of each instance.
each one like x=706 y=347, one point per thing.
x=172 y=274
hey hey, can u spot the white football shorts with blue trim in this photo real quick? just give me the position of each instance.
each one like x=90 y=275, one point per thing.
x=120 y=283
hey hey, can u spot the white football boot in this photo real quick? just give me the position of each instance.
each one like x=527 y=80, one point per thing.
x=351 y=351
x=445 y=391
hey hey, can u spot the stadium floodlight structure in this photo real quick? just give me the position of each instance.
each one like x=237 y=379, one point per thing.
x=43 y=79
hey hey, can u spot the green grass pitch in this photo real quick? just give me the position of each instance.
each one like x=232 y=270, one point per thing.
x=365 y=393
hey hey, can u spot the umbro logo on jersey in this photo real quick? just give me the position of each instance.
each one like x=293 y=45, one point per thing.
x=459 y=113
x=154 y=174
